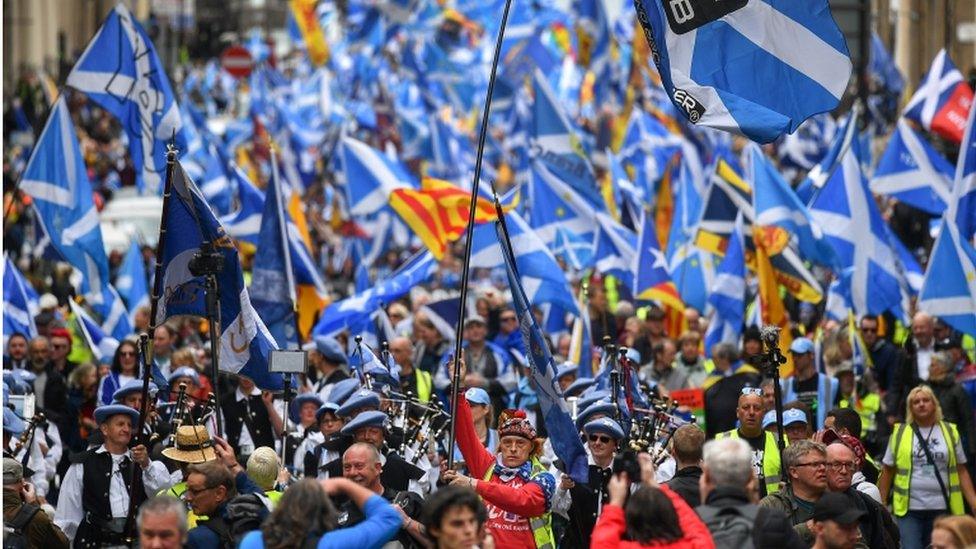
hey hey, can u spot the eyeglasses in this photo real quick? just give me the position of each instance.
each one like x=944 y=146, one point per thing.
x=601 y=438
x=752 y=391
x=841 y=465
x=814 y=464
x=198 y=491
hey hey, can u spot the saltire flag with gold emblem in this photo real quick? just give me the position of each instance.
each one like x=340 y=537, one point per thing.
x=438 y=212
x=308 y=24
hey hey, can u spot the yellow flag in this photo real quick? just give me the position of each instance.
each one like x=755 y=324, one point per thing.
x=772 y=310
x=308 y=24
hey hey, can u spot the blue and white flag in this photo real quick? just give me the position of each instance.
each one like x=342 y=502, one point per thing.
x=728 y=293
x=20 y=303
x=370 y=176
x=245 y=342
x=57 y=180
x=754 y=67
x=272 y=290
x=556 y=211
x=848 y=214
x=912 y=171
x=245 y=223
x=563 y=434
x=443 y=315
x=116 y=319
x=964 y=189
x=131 y=281
x=776 y=205
x=882 y=67
x=354 y=312
x=949 y=290
x=102 y=345
x=615 y=249
x=122 y=73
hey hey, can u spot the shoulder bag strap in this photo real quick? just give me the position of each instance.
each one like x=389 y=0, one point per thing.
x=928 y=456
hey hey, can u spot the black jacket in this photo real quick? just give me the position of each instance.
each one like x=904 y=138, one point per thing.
x=685 y=484
x=772 y=530
x=956 y=408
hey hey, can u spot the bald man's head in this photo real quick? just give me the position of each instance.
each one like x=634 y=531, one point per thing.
x=402 y=350
x=923 y=328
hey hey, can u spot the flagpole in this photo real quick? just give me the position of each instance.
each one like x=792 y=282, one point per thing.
x=472 y=209
x=153 y=310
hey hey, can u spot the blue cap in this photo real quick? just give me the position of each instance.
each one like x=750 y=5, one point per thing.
x=329 y=348
x=301 y=400
x=12 y=422
x=327 y=407
x=792 y=416
x=604 y=407
x=133 y=386
x=769 y=419
x=363 y=398
x=102 y=413
x=565 y=369
x=477 y=395
x=20 y=382
x=801 y=345
x=606 y=426
x=372 y=418
x=578 y=386
x=183 y=371
x=343 y=389
x=591 y=397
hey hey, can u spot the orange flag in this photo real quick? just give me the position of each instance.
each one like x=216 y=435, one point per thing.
x=438 y=212
x=771 y=306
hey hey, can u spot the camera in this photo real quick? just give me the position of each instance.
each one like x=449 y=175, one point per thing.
x=207 y=261
x=626 y=462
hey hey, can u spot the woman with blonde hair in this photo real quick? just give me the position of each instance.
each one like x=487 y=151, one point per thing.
x=926 y=464
x=953 y=533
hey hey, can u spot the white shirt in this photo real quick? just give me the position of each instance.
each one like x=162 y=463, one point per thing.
x=923 y=359
x=245 y=443
x=70 y=512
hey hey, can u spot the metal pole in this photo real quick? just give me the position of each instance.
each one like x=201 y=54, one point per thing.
x=213 y=324
x=456 y=385
x=284 y=432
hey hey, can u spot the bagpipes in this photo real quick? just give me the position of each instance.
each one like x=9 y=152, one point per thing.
x=417 y=433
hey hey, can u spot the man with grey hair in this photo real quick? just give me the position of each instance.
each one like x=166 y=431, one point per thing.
x=728 y=488
x=724 y=386
x=805 y=465
x=161 y=523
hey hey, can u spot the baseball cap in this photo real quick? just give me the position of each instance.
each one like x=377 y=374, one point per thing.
x=792 y=416
x=13 y=471
x=801 y=345
x=836 y=507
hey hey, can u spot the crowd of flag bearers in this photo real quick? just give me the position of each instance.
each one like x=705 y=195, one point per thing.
x=691 y=309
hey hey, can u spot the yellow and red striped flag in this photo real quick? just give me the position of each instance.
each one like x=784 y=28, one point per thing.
x=312 y=33
x=438 y=212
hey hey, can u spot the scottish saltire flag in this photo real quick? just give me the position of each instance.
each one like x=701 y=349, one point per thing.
x=444 y=315
x=849 y=216
x=356 y=310
x=949 y=289
x=802 y=149
x=781 y=61
x=272 y=288
x=817 y=176
x=563 y=434
x=595 y=42
x=728 y=293
x=942 y=100
x=648 y=146
x=615 y=250
x=19 y=303
x=370 y=176
x=692 y=272
x=556 y=210
x=964 y=189
x=555 y=143
x=779 y=212
x=216 y=185
x=544 y=281
x=122 y=73
x=912 y=271
x=57 y=181
x=116 y=320
x=912 y=171
x=245 y=223
x=882 y=67
x=102 y=345
x=652 y=280
x=131 y=280
x=245 y=342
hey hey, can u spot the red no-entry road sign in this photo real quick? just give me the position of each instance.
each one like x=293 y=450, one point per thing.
x=237 y=61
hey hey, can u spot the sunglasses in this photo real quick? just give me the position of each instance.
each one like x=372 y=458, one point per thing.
x=752 y=391
x=600 y=438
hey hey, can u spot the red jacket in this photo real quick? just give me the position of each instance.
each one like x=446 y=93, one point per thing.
x=611 y=527
x=510 y=504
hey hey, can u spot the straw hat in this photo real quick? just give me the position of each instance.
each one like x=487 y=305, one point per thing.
x=193 y=445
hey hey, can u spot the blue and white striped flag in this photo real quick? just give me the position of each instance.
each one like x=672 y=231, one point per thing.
x=728 y=293
x=122 y=73
x=245 y=223
x=131 y=281
x=102 y=345
x=755 y=67
x=913 y=172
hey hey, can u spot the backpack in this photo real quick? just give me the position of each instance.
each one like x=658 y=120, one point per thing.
x=730 y=526
x=244 y=514
x=13 y=530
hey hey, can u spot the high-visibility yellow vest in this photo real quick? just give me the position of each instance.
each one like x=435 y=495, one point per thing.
x=772 y=469
x=425 y=385
x=867 y=408
x=542 y=524
x=902 y=450
x=177 y=491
